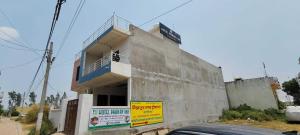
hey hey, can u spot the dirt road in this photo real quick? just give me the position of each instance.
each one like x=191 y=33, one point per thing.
x=10 y=127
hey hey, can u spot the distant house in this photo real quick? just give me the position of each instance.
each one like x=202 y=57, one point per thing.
x=284 y=97
x=258 y=93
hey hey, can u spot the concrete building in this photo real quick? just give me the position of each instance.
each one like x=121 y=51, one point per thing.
x=121 y=63
x=256 y=92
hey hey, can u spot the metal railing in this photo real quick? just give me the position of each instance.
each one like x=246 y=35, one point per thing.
x=106 y=59
x=115 y=21
x=78 y=55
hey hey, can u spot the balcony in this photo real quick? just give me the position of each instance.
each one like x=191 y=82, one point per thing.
x=108 y=69
x=113 y=31
x=98 y=64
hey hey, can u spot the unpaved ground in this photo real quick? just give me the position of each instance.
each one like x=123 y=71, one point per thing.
x=10 y=127
x=277 y=125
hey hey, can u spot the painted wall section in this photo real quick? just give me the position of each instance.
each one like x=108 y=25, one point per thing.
x=74 y=83
x=256 y=93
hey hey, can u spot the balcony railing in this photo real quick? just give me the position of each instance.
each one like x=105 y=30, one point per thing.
x=106 y=59
x=115 y=21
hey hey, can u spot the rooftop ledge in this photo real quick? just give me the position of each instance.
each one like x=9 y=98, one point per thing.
x=114 y=27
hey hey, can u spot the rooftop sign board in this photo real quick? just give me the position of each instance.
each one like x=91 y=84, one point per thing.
x=167 y=32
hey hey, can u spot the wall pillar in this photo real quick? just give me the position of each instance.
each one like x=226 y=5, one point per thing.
x=62 y=118
x=85 y=104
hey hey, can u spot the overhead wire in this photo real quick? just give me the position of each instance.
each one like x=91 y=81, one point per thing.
x=75 y=16
x=20 y=45
x=54 y=20
x=20 y=65
x=7 y=46
x=167 y=12
x=25 y=43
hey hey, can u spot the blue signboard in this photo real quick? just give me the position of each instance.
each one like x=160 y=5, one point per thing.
x=167 y=32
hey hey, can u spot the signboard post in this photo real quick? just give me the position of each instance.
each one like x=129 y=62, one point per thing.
x=146 y=113
x=109 y=117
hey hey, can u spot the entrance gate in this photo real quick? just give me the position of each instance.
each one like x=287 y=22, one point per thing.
x=70 y=121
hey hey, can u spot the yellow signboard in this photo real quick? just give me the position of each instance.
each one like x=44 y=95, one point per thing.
x=146 y=113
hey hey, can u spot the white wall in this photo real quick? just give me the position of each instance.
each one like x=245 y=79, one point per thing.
x=85 y=104
x=57 y=116
x=61 y=125
x=54 y=117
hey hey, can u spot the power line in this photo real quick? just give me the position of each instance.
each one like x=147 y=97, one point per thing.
x=7 y=46
x=14 y=39
x=54 y=20
x=20 y=45
x=20 y=65
x=181 y=5
x=75 y=16
x=12 y=25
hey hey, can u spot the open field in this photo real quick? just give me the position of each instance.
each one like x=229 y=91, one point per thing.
x=277 y=125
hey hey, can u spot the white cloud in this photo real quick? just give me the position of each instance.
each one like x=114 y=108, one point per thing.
x=8 y=33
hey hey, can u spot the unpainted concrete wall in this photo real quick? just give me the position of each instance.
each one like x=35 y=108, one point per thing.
x=256 y=93
x=191 y=89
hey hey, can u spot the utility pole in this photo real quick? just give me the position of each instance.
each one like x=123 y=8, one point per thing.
x=42 y=102
x=23 y=100
x=265 y=71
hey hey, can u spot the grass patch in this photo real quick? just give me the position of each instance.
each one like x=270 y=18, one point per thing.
x=32 y=113
x=28 y=121
x=274 y=124
x=46 y=129
x=246 y=112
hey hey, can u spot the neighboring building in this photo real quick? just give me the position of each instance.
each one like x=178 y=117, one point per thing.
x=121 y=63
x=284 y=97
x=258 y=93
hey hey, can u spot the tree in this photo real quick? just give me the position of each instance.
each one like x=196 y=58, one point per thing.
x=19 y=99
x=64 y=96
x=32 y=97
x=292 y=88
x=1 y=109
x=12 y=102
x=12 y=98
x=57 y=98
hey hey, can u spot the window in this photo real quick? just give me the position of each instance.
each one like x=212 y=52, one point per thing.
x=118 y=100
x=102 y=100
x=77 y=73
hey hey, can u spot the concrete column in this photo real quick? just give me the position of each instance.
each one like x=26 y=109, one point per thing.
x=85 y=104
x=62 y=118
x=129 y=91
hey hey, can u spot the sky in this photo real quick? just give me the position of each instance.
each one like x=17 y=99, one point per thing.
x=237 y=35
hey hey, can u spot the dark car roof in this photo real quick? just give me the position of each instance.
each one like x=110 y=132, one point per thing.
x=221 y=129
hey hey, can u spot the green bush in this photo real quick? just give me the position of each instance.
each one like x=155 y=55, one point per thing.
x=245 y=112
x=15 y=113
x=275 y=114
x=256 y=115
x=281 y=105
x=46 y=129
x=243 y=107
x=231 y=114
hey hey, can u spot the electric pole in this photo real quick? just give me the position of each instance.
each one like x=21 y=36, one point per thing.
x=42 y=102
x=265 y=71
